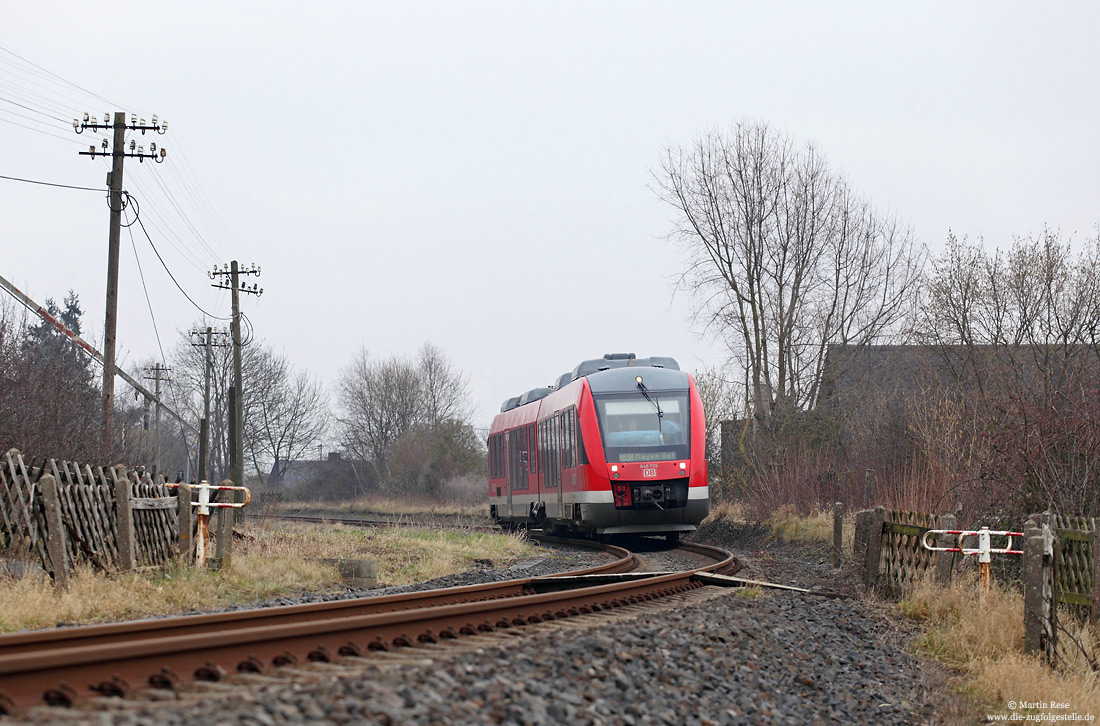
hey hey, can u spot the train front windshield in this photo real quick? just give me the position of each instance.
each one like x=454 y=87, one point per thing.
x=635 y=429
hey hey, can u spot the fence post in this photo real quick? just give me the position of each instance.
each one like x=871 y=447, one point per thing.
x=1094 y=541
x=945 y=561
x=125 y=518
x=183 y=494
x=869 y=487
x=56 y=546
x=223 y=548
x=1033 y=590
x=838 y=533
x=873 y=523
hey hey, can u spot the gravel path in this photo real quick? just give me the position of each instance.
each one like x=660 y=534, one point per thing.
x=737 y=658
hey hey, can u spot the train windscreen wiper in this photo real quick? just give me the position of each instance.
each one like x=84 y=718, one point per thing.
x=656 y=402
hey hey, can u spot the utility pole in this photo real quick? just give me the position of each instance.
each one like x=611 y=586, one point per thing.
x=118 y=154
x=234 y=284
x=206 y=339
x=157 y=370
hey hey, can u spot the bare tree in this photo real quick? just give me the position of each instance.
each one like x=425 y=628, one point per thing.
x=287 y=413
x=1019 y=333
x=785 y=258
x=380 y=401
x=445 y=389
x=409 y=420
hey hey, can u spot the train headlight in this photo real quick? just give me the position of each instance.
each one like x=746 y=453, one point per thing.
x=614 y=467
x=683 y=468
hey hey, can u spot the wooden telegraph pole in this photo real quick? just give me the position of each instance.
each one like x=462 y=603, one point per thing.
x=229 y=278
x=208 y=339
x=118 y=154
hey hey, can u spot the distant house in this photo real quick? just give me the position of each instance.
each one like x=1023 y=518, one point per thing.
x=332 y=477
x=852 y=376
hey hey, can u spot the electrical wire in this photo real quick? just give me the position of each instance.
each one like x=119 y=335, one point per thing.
x=148 y=300
x=165 y=266
x=39 y=131
x=33 y=110
x=54 y=75
x=28 y=86
x=251 y=331
x=52 y=184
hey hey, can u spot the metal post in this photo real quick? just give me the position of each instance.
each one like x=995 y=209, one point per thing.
x=203 y=525
x=984 y=559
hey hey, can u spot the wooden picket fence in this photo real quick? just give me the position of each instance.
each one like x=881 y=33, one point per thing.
x=64 y=513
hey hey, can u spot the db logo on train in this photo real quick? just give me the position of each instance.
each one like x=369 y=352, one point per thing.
x=649 y=473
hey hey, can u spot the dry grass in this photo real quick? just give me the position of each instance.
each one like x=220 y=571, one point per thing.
x=983 y=638
x=728 y=511
x=274 y=560
x=383 y=505
x=403 y=554
x=817 y=526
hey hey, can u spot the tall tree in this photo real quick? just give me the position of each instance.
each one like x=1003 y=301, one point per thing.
x=50 y=388
x=785 y=258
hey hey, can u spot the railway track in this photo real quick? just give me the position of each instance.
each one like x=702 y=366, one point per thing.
x=60 y=667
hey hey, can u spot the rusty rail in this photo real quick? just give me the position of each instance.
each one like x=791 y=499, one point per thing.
x=59 y=667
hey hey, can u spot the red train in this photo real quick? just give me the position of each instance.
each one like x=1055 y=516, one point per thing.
x=616 y=447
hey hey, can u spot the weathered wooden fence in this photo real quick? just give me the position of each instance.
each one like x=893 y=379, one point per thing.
x=1060 y=574
x=64 y=513
x=888 y=546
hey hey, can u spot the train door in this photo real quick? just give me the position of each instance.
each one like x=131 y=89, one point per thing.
x=508 y=470
x=531 y=474
x=560 y=439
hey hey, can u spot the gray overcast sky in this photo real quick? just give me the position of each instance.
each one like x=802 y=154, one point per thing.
x=477 y=174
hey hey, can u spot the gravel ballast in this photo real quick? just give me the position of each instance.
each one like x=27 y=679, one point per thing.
x=737 y=658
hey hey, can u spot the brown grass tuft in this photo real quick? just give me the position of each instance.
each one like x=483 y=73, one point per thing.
x=983 y=637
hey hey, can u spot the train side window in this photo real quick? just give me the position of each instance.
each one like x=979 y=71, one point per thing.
x=582 y=455
x=567 y=439
x=572 y=437
x=494 y=457
x=541 y=444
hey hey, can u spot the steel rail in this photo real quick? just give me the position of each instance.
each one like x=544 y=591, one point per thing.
x=42 y=641
x=63 y=675
x=58 y=667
